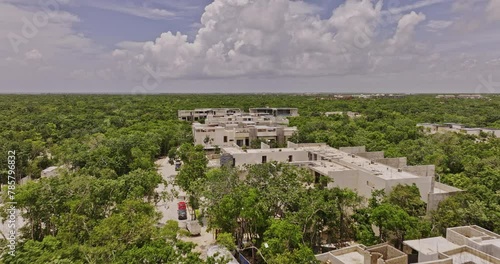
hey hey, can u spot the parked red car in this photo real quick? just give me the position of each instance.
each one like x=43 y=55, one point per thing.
x=181 y=211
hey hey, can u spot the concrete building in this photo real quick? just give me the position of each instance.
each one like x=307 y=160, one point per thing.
x=230 y=127
x=241 y=136
x=463 y=245
x=459 y=96
x=220 y=253
x=202 y=113
x=351 y=167
x=348 y=113
x=49 y=172
x=246 y=119
x=283 y=111
x=359 y=254
x=457 y=128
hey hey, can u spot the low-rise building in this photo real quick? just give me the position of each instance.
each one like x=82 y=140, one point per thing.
x=350 y=167
x=274 y=111
x=202 y=113
x=230 y=127
x=348 y=113
x=458 y=128
x=359 y=254
x=241 y=135
x=50 y=172
x=459 y=96
x=462 y=245
x=246 y=119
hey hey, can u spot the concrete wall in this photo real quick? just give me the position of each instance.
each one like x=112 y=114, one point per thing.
x=387 y=255
x=372 y=155
x=217 y=136
x=50 y=173
x=435 y=198
x=368 y=183
x=356 y=248
x=462 y=236
x=280 y=156
x=439 y=261
x=328 y=258
x=424 y=257
x=344 y=179
x=353 y=150
x=421 y=170
x=475 y=255
x=393 y=162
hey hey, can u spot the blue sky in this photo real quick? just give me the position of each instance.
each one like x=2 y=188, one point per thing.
x=161 y=46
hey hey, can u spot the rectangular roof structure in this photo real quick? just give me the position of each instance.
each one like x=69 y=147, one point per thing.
x=359 y=163
x=432 y=245
x=353 y=257
x=49 y=169
x=468 y=255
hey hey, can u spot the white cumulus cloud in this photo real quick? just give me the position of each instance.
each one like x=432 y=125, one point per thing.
x=232 y=42
x=33 y=54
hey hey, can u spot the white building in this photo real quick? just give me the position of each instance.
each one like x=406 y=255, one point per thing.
x=50 y=172
x=348 y=113
x=462 y=245
x=240 y=135
x=359 y=254
x=351 y=167
x=228 y=127
x=457 y=128
x=202 y=113
x=246 y=119
x=276 y=111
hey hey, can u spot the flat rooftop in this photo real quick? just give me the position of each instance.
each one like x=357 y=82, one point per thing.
x=352 y=257
x=360 y=163
x=432 y=245
x=49 y=169
x=336 y=160
x=468 y=258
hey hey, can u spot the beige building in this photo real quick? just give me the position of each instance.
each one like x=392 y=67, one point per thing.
x=359 y=254
x=283 y=111
x=202 y=113
x=246 y=119
x=230 y=127
x=457 y=128
x=211 y=136
x=50 y=172
x=462 y=245
x=348 y=113
x=351 y=167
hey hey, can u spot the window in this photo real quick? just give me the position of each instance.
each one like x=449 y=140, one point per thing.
x=225 y=139
x=290 y=158
x=264 y=159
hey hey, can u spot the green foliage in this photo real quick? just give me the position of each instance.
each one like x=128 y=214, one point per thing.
x=226 y=240
x=100 y=210
x=408 y=198
x=194 y=166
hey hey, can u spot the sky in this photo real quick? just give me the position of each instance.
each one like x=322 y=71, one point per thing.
x=246 y=46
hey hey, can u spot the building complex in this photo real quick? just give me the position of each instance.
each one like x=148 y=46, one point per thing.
x=350 y=167
x=458 y=128
x=462 y=245
x=359 y=254
x=223 y=127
